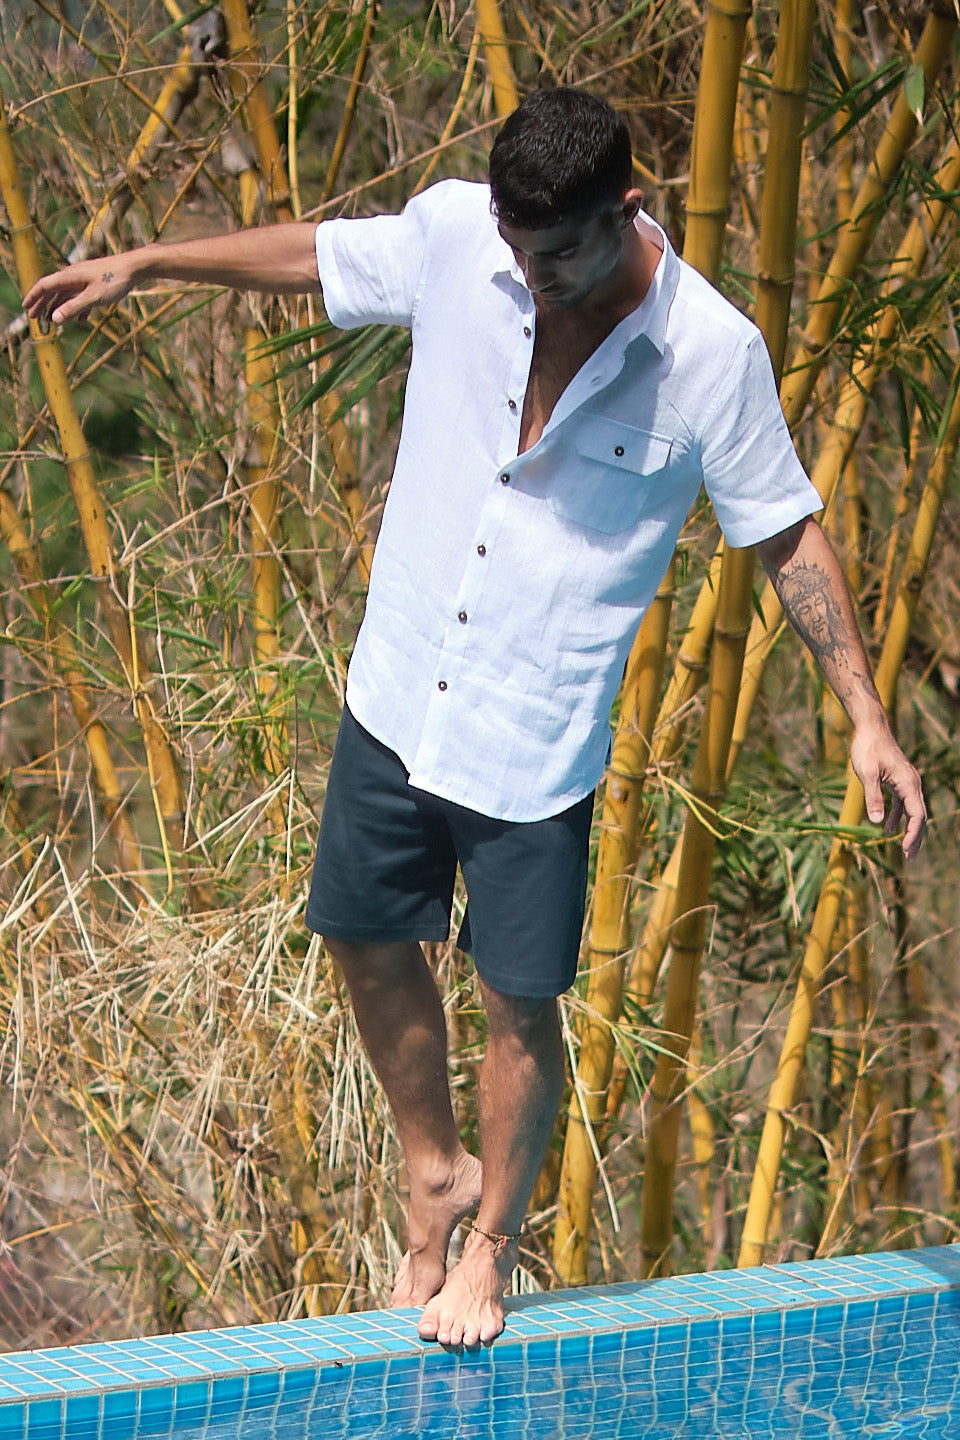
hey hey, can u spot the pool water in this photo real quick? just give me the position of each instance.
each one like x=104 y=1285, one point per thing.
x=864 y=1346
x=863 y=1373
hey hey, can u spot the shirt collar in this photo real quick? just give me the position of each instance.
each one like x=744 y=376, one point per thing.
x=651 y=315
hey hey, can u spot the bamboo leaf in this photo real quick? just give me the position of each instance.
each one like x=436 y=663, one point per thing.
x=914 y=87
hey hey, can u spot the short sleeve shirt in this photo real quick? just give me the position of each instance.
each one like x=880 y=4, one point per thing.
x=506 y=590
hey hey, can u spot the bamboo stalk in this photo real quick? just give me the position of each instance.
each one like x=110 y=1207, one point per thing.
x=263 y=486
x=250 y=90
x=848 y=420
x=295 y=1124
x=456 y=112
x=248 y=87
x=163 y=768
x=178 y=89
x=849 y=416
x=708 y=782
x=689 y=929
x=609 y=932
x=711 y=153
x=819 y=946
x=350 y=105
x=900 y=513
x=777 y=259
x=496 y=53
x=842 y=34
x=66 y=662
x=933 y=49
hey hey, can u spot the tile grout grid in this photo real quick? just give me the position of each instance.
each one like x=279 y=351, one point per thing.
x=153 y=1383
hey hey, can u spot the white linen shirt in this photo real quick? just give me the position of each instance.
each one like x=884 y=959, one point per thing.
x=506 y=589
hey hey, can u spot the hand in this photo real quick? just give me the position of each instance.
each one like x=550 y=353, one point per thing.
x=880 y=765
x=72 y=293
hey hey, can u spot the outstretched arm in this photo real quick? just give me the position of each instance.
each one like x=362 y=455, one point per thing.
x=276 y=259
x=807 y=577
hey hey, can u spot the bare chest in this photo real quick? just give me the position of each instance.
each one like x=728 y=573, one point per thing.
x=560 y=351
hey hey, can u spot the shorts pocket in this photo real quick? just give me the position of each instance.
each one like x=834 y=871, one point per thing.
x=613 y=477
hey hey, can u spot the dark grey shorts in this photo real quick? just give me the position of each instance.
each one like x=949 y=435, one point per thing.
x=387 y=858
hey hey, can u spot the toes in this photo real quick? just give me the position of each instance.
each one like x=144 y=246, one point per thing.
x=490 y=1331
x=429 y=1325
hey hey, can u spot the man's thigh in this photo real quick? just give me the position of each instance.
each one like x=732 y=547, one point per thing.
x=385 y=862
x=526 y=888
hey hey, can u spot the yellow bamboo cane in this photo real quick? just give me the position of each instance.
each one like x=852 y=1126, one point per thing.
x=263 y=488
x=164 y=771
x=901 y=510
x=245 y=75
x=854 y=238
x=842 y=36
x=848 y=418
x=609 y=932
x=249 y=89
x=780 y=192
x=933 y=49
x=324 y=1280
x=350 y=105
x=819 y=947
x=707 y=210
x=176 y=92
x=689 y=929
x=781 y=178
x=66 y=663
x=496 y=53
x=708 y=202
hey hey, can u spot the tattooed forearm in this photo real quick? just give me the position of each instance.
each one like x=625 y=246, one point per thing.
x=815 y=607
x=811 y=607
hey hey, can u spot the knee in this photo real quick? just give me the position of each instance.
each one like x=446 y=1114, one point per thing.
x=527 y=1020
x=365 y=963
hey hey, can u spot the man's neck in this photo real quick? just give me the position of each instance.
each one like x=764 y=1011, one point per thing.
x=623 y=290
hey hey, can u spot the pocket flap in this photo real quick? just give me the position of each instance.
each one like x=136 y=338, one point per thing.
x=612 y=443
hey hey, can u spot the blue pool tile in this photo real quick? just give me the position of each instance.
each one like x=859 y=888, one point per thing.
x=42 y=1415
x=118 y=1406
x=156 y=1405
x=12 y=1421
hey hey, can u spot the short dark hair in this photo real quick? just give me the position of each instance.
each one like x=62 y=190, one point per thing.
x=562 y=153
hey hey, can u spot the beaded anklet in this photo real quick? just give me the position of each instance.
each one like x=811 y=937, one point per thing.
x=498 y=1240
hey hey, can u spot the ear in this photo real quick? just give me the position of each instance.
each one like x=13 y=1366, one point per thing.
x=630 y=205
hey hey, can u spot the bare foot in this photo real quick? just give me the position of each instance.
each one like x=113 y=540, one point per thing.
x=469 y=1308
x=436 y=1209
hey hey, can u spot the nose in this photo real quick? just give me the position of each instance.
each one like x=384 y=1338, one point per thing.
x=537 y=273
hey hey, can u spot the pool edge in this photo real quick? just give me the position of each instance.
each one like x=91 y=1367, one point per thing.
x=188 y=1373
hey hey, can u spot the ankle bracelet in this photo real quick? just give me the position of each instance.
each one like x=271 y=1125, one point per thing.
x=498 y=1240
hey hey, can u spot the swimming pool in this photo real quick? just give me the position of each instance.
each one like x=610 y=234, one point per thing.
x=857 y=1346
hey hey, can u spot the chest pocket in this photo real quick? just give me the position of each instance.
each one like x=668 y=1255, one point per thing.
x=612 y=478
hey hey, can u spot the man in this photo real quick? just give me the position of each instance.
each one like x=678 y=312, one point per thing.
x=572 y=384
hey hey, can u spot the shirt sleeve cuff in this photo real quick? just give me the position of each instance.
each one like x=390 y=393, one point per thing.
x=771 y=519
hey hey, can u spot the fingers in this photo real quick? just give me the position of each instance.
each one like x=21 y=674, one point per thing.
x=916 y=820
x=47 y=299
x=881 y=765
x=873 y=796
x=907 y=800
x=72 y=293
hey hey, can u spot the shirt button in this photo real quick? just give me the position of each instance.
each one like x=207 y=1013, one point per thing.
x=527 y=331
x=462 y=617
x=512 y=404
x=481 y=549
x=441 y=684
x=505 y=478
x=618 y=449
